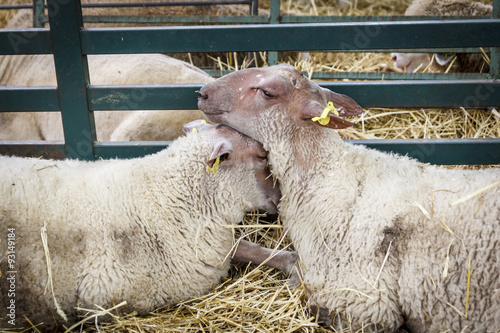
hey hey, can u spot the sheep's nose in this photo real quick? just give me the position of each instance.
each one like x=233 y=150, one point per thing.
x=202 y=95
x=394 y=57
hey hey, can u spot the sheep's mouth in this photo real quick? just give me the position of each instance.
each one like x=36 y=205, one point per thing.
x=212 y=115
x=205 y=107
x=214 y=112
x=405 y=67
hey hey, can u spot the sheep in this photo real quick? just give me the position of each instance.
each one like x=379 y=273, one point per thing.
x=465 y=62
x=38 y=70
x=149 y=231
x=214 y=10
x=383 y=239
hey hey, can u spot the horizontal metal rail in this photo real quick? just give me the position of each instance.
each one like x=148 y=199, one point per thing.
x=425 y=93
x=37 y=40
x=273 y=37
x=190 y=19
x=71 y=43
x=293 y=37
x=332 y=75
x=181 y=19
x=145 y=4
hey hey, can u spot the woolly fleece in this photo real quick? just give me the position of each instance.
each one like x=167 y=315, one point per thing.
x=347 y=207
x=149 y=231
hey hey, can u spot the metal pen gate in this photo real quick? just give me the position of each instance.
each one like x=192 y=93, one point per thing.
x=77 y=99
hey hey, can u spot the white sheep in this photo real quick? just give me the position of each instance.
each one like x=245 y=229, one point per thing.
x=384 y=239
x=465 y=62
x=39 y=70
x=149 y=231
x=213 y=10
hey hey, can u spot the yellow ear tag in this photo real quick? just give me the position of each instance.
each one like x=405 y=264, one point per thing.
x=203 y=122
x=215 y=166
x=194 y=130
x=324 y=119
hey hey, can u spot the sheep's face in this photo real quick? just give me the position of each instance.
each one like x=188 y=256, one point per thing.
x=240 y=163
x=248 y=99
x=409 y=62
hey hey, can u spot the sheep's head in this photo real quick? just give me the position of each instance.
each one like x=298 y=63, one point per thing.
x=409 y=62
x=237 y=160
x=247 y=98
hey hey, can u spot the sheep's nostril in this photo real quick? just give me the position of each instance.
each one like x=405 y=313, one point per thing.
x=394 y=57
x=202 y=96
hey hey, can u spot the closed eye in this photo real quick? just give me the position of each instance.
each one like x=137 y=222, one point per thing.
x=267 y=93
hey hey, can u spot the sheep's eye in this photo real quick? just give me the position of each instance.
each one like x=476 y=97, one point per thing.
x=267 y=93
x=263 y=158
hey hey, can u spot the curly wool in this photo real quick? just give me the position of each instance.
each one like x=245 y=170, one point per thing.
x=39 y=70
x=148 y=231
x=383 y=239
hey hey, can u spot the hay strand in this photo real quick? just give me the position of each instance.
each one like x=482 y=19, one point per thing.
x=469 y=272
x=50 y=282
x=475 y=193
x=95 y=314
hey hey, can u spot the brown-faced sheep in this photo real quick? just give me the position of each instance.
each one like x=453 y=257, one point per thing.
x=384 y=239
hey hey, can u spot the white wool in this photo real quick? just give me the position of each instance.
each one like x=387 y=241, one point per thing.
x=39 y=70
x=373 y=230
x=122 y=230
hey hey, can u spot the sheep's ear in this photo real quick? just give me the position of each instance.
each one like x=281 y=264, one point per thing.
x=222 y=149
x=444 y=58
x=344 y=104
x=193 y=125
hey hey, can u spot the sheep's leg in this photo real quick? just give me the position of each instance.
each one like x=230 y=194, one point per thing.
x=285 y=261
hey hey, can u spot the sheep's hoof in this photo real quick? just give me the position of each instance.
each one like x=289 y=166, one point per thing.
x=323 y=315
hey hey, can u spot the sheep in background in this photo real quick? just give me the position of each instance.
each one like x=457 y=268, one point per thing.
x=465 y=62
x=383 y=239
x=39 y=70
x=149 y=231
x=213 y=10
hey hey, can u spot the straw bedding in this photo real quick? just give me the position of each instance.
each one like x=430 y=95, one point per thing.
x=256 y=299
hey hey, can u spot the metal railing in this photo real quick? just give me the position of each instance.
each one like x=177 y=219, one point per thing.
x=77 y=99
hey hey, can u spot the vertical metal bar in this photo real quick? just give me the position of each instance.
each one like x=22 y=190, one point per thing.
x=495 y=51
x=496 y=9
x=38 y=7
x=72 y=78
x=272 y=59
x=254 y=11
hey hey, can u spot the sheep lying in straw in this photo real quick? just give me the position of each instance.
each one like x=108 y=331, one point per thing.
x=39 y=70
x=462 y=62
x=384 y=240
x=104 y=69
x=149 y=231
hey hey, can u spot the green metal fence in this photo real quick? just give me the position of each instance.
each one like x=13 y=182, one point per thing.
x=77 y=99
